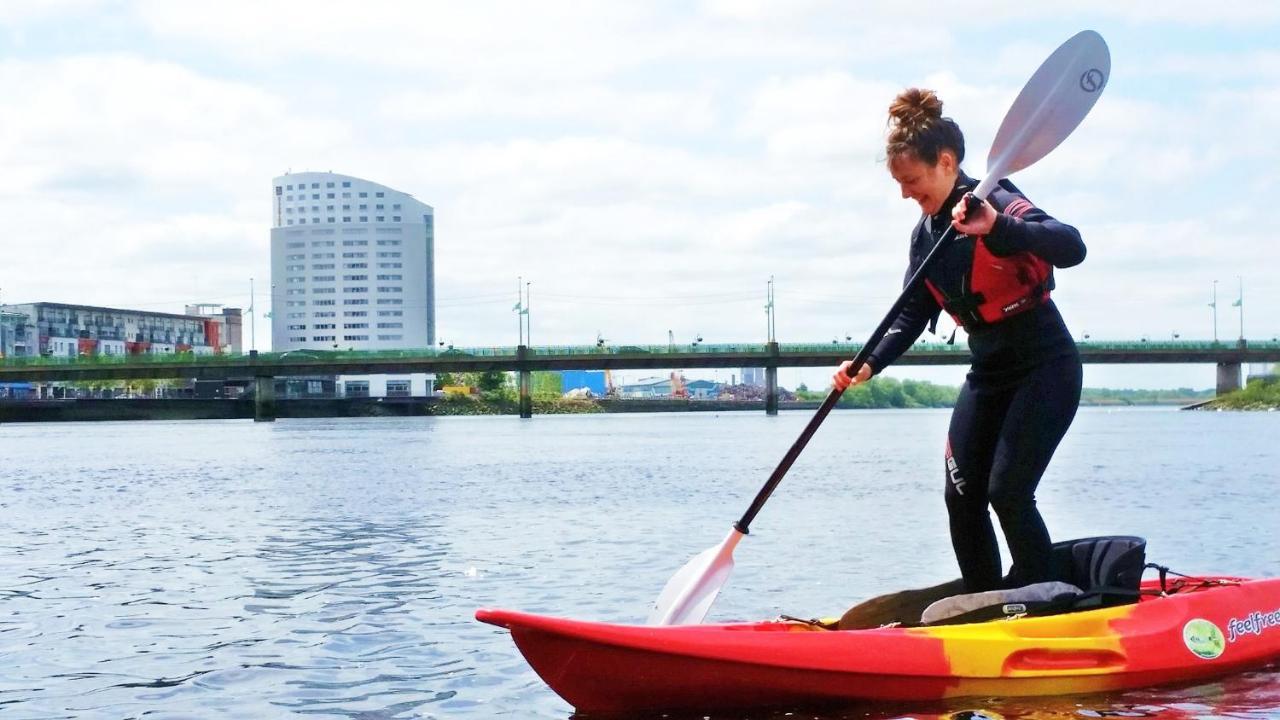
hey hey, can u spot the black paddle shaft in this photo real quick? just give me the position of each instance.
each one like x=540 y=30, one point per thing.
x=917 y=279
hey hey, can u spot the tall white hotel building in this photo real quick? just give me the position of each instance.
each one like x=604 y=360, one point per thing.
x=352 y=268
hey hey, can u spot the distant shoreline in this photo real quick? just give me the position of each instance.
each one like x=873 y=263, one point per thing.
x=197 y=409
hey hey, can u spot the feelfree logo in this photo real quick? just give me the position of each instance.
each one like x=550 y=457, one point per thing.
x=1255 y=623
x=1203 y=639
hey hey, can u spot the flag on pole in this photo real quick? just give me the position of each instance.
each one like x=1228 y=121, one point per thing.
x=1238 y=302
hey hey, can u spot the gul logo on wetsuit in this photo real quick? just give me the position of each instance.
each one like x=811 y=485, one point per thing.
x=953 y=471
x=1255 y=623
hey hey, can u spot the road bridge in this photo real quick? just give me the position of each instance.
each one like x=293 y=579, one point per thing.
x=265 y=367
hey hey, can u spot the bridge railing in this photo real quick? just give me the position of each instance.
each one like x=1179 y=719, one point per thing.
x=293 y=357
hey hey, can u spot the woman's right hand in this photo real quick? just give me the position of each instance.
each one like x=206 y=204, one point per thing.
x=841 y=379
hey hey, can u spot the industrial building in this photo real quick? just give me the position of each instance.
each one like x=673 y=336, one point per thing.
x=352 y=268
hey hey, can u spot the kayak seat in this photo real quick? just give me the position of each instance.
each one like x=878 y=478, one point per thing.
x=1087 y=573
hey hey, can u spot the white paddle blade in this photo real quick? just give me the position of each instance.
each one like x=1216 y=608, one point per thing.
x=689 y=593
x=1051 y=105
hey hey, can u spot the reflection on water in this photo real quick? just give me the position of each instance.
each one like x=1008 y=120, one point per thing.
x=331 y=567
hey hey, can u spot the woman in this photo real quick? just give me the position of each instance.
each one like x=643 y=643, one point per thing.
x=1023 y=388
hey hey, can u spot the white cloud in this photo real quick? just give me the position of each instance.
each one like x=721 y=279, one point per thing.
x=647 y=167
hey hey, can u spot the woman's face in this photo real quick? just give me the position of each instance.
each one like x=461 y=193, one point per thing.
x=929 y=185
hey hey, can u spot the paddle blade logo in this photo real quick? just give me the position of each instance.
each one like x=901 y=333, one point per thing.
x=1203 y=639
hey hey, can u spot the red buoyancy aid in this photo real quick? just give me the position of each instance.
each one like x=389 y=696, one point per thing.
x=998 y=287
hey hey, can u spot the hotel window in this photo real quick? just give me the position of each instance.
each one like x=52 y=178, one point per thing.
x=296 y=245
x=355 y=301
x=325 y=326
x=380 y=218
x=356 y=313
x=322 y=291
x=390 y=313
x=378 y=194
x=296 y=327
x=349 y=255
x=355 y=338
x=364 y=207
x=315 y=185
x=354 y=278
x=322 y=338
x=297 y=280
x=288 y=187
x=355 y=289
x=346 y=218
x=327 y=314
x=328 y=196
x=298 y=339
x=379 y=206
x=323 y=266
x=390 y=266
x=390 y=337
x=390 y=301
x=391 y=289
x=395 y=206
x=291 y=268
x=355 y=266
x=390 y=277
x=390 y=325
x=315 y=196
x=364 y=218
x=355 y=326
x=395 y=218
x=364 y=194
x=346 y=183
x=321 y=278
x=323 y=302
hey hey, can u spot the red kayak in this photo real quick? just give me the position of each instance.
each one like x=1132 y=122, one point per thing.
x=1202 y=629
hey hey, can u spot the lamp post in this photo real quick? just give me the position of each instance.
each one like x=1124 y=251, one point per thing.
x=1213 y=305
x=770 y=329
x=1240 y=304
x=253 y=321
x=519 y=308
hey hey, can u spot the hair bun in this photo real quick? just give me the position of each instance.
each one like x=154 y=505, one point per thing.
x=914 y=108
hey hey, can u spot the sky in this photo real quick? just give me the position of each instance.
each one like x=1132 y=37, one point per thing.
x=646 y=167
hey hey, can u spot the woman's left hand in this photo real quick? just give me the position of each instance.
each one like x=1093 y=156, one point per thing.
x=978 y=222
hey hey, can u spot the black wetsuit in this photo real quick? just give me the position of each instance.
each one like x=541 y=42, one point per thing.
x=1018 y=399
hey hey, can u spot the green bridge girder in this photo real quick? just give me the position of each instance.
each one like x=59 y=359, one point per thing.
x=579 y=357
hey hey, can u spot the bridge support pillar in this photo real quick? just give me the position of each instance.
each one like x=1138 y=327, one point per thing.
x=1228 y=377
x=525 y=383
x=771 y=380
x=264 y=399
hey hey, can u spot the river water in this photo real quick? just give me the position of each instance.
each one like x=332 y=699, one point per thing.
x=331 y=568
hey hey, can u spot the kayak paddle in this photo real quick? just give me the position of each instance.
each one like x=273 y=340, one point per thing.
x=1051 y=105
